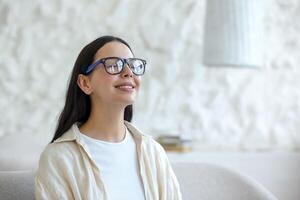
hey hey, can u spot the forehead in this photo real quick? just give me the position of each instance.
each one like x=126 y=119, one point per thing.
x=113 y=49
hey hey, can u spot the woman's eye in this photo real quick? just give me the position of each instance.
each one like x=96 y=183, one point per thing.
x=112 y=66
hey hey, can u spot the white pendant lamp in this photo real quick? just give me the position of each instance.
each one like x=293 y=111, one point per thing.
x=233 y=34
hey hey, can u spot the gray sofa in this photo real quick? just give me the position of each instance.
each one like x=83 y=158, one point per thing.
x=199 y=181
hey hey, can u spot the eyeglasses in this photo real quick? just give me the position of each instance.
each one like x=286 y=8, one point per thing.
x=115 y=65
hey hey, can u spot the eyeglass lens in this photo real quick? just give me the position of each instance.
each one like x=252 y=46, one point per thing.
x=115 y=65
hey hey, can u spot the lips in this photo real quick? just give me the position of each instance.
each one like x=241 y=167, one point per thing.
x=126 y=85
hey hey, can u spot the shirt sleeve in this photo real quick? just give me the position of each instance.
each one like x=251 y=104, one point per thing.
x=168 y=183
x=50 y=182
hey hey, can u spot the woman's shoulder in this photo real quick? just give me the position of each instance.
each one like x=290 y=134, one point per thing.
x=147 y=140
x=152 y=144
x=58 y=151
x=62 y=146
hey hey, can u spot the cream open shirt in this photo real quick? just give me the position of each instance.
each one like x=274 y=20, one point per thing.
x=67 y=171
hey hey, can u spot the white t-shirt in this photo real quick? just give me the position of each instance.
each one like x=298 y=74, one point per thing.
x=118 y=164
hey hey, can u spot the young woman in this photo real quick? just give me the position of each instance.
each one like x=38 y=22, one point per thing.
x=96 y=153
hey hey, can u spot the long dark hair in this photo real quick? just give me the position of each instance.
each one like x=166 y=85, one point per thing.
x=78 y=105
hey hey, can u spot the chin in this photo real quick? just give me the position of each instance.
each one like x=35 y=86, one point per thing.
x=126 y=102
x=129 y=102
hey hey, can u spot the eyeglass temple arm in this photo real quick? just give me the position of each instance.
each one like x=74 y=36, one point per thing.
x=92 y=66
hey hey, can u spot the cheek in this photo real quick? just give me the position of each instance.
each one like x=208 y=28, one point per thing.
x=138 y=81
x=103 y=81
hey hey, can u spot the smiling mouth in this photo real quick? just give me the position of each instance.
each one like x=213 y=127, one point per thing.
x=125 y=87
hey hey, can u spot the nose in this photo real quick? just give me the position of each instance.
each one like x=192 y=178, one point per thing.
x=127 y=71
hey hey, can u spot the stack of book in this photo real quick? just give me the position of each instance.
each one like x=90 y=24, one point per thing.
x=175 y=143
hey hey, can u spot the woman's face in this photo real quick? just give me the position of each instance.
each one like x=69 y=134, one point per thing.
x=118 y=89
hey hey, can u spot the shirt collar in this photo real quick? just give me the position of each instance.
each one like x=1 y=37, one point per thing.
x=74 y=134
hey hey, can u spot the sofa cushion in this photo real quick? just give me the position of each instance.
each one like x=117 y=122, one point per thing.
x=15 y=185
x=214 y=182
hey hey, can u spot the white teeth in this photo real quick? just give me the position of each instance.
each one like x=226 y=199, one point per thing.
x=125 y=86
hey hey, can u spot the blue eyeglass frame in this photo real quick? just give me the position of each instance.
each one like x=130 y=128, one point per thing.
x=124 y=61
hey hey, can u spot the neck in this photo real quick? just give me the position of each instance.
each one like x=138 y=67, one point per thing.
x=105 y=123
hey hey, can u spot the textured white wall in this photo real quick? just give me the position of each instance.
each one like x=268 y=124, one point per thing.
x=222 y=108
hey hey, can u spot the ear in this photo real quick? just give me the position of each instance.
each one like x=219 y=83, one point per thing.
x=85 y=84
